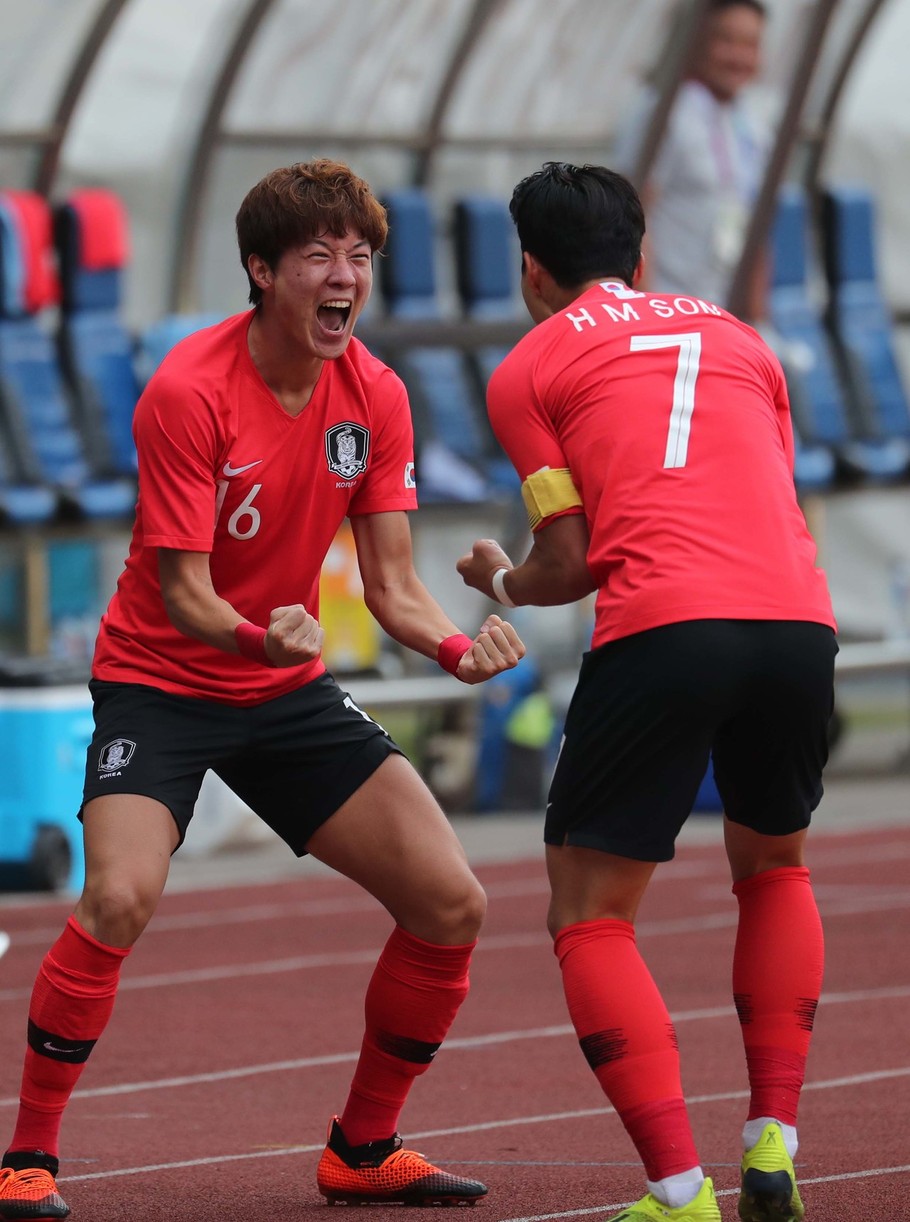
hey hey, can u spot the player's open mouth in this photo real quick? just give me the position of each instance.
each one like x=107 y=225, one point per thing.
x=334 y=315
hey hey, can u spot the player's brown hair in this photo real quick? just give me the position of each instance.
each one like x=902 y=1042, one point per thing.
x=297 y=203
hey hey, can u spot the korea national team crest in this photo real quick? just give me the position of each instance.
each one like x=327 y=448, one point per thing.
x=347 y=448
x=115 y=755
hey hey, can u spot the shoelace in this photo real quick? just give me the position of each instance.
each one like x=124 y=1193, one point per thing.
x=31 y=1180
x=404 y=1156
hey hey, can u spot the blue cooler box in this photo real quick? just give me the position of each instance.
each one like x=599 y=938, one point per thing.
x=44 y=732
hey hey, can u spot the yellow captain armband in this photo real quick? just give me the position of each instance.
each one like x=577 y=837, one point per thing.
x=547 y=491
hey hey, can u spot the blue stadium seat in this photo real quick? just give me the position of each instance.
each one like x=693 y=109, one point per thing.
x=40 y=423
x=24 y=500
x=487 y=266
x=159 y=338
x=821 y=410
x=452 y=454
x=859 y=320
x=96 y=350
x=487 y=269
x=486 y=257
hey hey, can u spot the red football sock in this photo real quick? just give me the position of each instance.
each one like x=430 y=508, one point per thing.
x=71 y=1003
x=412 y=999
x=627 y=1037
x=777 y=978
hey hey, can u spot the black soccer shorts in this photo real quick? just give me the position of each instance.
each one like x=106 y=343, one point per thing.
x=294 y=760
x=649 y=710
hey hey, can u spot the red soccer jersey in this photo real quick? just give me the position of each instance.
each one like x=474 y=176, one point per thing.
x=673 y=419
x=224 y=469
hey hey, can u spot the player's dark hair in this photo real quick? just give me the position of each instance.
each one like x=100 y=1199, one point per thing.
x=580 y=222
x=758 y=6
x=293 y=205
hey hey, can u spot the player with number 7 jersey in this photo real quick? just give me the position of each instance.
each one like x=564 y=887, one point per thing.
x=672 y=420
x=653 y=439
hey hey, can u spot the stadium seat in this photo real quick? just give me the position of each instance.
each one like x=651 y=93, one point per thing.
x=41 y=427
x=159 y=338
x=454 y=459
x=486 y=257
x=24 y=500
x=821 y=410
x=486 y=264
x=859 y=320
x=96 y=350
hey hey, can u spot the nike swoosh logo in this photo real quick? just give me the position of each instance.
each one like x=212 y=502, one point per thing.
x=53 y=1047
x=228 y=470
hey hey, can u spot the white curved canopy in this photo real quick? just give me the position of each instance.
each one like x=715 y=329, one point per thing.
x=180 y=105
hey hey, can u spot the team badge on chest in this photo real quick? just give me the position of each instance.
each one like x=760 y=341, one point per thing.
x=347 y=448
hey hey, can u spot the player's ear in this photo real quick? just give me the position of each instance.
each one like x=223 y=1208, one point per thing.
x=260 y=272
x=531 y=272
x=639 y=272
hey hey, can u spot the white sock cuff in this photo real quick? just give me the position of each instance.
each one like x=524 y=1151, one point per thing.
x=752 y=1130
x=678 y=1190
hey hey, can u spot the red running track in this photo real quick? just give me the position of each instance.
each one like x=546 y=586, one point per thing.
x=238 y=1023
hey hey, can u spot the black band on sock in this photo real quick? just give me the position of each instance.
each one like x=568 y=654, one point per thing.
x=418 y=1052
x=46 y=1044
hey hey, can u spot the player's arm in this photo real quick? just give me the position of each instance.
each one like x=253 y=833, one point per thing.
x=196 y=609
x=554 y=572
x=405 y=609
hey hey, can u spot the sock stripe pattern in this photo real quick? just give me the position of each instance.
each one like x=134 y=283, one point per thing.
x=71 y=1003
x=626 y=1035
x=414 y=994
x=778 y=965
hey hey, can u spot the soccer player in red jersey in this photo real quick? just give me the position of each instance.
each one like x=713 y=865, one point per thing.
x=652 y=434
x=256 y=438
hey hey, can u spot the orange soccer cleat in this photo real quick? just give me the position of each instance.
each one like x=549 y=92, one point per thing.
x=381 y=1171
x=30 y=1194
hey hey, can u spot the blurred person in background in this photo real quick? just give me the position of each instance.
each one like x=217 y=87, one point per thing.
x=708 y=169
x=654 y=444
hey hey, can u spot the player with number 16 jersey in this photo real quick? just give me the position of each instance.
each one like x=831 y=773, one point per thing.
x=255 y=439
x=209 y=431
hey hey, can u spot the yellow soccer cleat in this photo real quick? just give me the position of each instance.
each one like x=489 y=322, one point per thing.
x=769 y=1192
x=703 y=1209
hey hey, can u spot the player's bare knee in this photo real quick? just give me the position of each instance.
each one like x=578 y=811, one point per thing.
x=116 y=913
x=456 y=919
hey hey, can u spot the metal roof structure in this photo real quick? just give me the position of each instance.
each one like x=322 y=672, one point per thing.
x=181 y=105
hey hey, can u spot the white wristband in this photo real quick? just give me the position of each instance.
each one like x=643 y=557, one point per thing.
x=497 y=581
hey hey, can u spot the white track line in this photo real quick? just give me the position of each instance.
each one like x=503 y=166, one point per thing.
x=678 y=871
x=849 y=905
x=721 y=1192
x=491 y=1039
x=508 y=1123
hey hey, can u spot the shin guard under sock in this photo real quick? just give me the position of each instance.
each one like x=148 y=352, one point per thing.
x=627 y=1037
x=778 y=964
x=71 y=1003
x=412 y=999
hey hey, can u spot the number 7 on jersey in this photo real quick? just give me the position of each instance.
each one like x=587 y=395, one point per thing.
x=689 y=345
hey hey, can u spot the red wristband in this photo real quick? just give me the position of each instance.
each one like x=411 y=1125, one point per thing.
x=251 y=643
x=452 y=650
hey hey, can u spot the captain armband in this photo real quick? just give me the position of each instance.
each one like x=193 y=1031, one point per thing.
x=547 y=491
